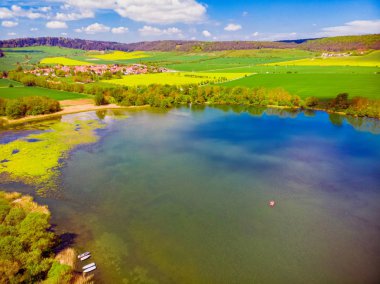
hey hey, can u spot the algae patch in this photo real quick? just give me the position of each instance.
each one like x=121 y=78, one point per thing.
x=36 y=158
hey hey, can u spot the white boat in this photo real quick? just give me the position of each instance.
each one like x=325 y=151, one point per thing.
x=88 y=266
x=85 y=257
x=83 y=254
x=89 y=269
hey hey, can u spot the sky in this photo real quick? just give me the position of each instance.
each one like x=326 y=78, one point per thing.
x=209 y=20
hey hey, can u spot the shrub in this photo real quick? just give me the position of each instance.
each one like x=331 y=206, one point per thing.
x=311 y=102
x=10 y=85
x=15 y=108
x=40 y=105
x=3 y=105
x=100 y=99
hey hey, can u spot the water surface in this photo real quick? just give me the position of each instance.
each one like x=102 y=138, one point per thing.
x=182 y=197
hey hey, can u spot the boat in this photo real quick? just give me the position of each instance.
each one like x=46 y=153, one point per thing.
x=88 y=266
x=85 y=257
x=83 y=254
x=89 y=269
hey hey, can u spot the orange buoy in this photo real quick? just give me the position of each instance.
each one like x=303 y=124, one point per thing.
x=272 y=203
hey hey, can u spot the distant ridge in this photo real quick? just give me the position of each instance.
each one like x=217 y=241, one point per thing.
x=298 y=41
x=341 y=43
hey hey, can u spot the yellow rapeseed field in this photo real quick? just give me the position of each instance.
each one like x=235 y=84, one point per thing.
x=63 y=61
x=176 y=78
x=121 y=55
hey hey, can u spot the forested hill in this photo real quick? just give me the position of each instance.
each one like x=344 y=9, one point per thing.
x=344 y=43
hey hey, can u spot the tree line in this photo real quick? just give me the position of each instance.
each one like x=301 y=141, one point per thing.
x=166 y=96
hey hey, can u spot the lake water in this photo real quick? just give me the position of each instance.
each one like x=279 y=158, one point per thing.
x=182 y=197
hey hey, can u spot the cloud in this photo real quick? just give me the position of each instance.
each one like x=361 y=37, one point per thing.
x=245 y=13
x=153 y=31
x=275 y=36
x=11 y=34
x=56 y=25
x=34 y=29
x=84 y=14
x=150 y=11
x=94 y=29
x=16 y=11
x=255 y=34
x=9 y=24
x=64 y=34
x=206 y=33
x=232 y=27
x=119 y=30
x=44 y=9
x=353 y=28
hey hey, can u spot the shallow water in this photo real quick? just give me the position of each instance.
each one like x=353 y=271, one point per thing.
x=182 y=197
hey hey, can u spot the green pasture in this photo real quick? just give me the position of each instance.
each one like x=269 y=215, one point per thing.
x=19 y=92
x=370 y=59
x=27 y=56
x=321 y=85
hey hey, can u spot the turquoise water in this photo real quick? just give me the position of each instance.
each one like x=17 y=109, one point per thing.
x=182 y=197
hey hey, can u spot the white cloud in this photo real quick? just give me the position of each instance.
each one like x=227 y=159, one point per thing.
x=84 y=14
x=150 y=11
x=206 y=33
x=153 y=31
x=56 y=25
x=275 y=36
x=232 y=27
x=94 y=29
x=16 y=11
x=119 y=30
x=245 y=13
x=353 y=28
x=44 y=9
x=34 y=29
x=255 y=34
x=11 y=34
x=9 y=24
x=64 y=34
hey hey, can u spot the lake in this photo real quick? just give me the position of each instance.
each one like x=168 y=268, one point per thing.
x=181 y=196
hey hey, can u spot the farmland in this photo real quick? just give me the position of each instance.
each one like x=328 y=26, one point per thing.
x=175 y=78
x=63 y=61
x=119 y=55
x=20 y=91
x=371 y=59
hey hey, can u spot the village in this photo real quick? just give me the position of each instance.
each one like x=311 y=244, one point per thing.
x=99 y=69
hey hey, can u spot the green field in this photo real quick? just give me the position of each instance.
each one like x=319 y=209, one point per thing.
x=27 y=56
x=371 y=59
x=318 y=85
x=18 y=92
x=174 y=78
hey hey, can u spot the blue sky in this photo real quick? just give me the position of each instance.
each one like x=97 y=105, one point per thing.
x=142 y=20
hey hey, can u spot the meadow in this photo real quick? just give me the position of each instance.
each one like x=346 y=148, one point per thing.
x=20 y=91
x=319 y=85
x=371 y=59
x=27 y=56
x=175 y=78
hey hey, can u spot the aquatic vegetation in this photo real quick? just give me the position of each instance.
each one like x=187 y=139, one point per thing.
x=36 y=163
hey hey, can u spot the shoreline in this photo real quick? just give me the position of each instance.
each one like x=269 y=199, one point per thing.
x=71 y=107
x=82 y=105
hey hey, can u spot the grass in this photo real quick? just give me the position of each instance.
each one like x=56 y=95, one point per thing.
x=27 y=56
x=120 y=55
x=4 y=83
x=14 y=93
x=371 y=59
x=318 y=85
x=63 y=61
x=175 y=78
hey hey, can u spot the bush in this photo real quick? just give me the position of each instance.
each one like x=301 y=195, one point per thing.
x=311 y=102
x=15 y=109
x=100 y=99
x=3 y=105
x=11 y=86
